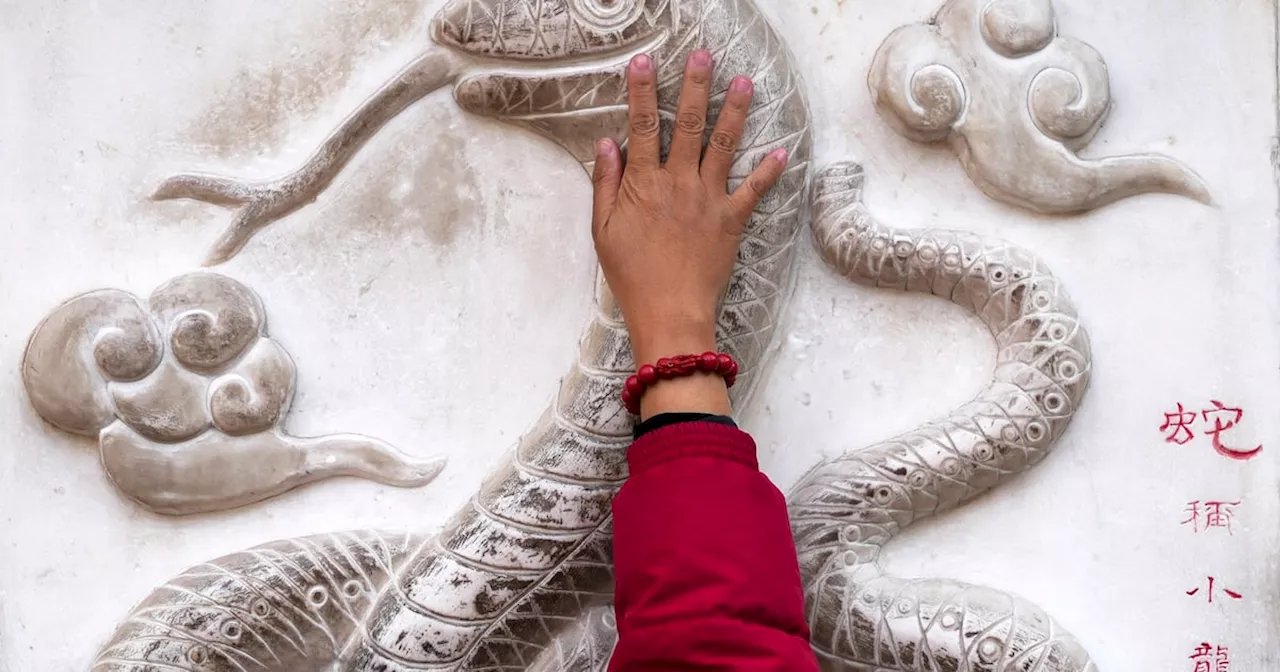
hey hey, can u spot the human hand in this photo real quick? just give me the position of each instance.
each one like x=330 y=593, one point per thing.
x=667 y=235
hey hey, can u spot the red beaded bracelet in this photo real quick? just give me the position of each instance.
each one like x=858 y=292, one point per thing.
x=676 y=367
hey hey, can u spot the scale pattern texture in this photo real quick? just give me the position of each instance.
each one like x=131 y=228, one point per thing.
x=846 y=509
x=520 y=578
x=517 y=578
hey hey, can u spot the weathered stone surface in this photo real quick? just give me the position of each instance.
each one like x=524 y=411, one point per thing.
x=425 y=248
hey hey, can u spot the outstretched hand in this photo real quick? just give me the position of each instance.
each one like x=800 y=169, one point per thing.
x=667 y=235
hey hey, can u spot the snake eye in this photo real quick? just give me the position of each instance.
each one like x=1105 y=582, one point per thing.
x=607 y=14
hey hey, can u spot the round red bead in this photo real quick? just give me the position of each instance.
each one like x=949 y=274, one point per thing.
x=634 y=387
x=708 y=362
x=647 y=375
x=723 y=362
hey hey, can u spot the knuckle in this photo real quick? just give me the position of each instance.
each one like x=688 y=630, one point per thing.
x=737 y=102
x=698 y=78
x=723 y=141
x=691 y=123
x=640 y=83
x=630 y=192
x=644 y=124
x=689 y=185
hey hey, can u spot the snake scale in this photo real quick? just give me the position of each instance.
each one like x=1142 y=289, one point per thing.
x=846 y=509
x=521 y=577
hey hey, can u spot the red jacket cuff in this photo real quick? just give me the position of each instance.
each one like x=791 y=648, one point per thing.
x=692 y=439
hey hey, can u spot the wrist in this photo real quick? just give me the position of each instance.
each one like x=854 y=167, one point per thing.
x=698 y=393
x=679 y=383
x=671 y=339
x=671 y=335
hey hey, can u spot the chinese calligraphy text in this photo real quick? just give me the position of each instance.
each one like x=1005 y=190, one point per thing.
x=1208 y=658
x=1207 y=515
x=1230 y=593
x=1219 y=417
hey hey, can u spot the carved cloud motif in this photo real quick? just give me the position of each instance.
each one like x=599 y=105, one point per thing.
x=1015 y=101
x=185 y=395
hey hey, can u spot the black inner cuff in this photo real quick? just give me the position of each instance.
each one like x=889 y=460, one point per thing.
x=668 y=419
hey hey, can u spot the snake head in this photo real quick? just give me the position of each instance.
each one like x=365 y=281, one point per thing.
x=556 y=66
x=551 y=30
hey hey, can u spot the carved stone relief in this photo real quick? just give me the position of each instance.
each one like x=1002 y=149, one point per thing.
x=521 y=577
x=185 y=394
x=1015 y=101
x=846 y=509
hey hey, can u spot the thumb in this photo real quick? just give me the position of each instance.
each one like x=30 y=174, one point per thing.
x=606 y=180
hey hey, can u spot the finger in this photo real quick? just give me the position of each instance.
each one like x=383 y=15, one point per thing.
x=606 y=179
x=643 y=146
x=728 y=133
x=759 y=182
x=691 y=113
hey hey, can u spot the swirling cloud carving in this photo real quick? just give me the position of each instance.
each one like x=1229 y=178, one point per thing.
x=1015 y=101
x=186 y=394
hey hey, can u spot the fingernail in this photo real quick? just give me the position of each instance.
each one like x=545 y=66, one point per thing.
x=780 y=154
x=642 y=63
x=604 y=147
x=700 y=58
x=740 y=85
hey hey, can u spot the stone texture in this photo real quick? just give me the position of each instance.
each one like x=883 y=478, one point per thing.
x=430 y=261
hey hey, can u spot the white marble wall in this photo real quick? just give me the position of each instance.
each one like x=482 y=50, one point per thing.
x=434 y=296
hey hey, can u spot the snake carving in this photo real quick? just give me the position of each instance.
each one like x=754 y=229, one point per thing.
x=846 y=509
x=521 y=577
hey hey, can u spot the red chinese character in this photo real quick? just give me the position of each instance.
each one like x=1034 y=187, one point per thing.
x=1218 y=514
x=1214 y=514
x=1180 y=423
x=1208 y=660
x=1193 y=511
x=1220 y=425
x=1201 y=657
x=1230 y=593
x=1223 y=661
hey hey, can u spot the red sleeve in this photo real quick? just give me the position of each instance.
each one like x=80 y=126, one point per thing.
x=707 y=575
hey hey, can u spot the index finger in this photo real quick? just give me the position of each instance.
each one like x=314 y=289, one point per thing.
x=644 y=147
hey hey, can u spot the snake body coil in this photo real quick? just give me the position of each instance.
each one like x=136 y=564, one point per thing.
x=846 y=509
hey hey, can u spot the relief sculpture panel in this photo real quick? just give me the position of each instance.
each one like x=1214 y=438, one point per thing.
x=1015 y=101
x=517 y=577
x=185 y=394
